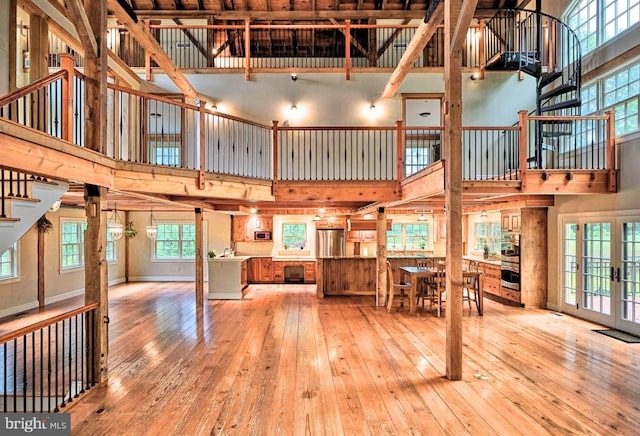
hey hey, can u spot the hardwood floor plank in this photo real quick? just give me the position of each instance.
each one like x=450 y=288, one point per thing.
x=282 y=361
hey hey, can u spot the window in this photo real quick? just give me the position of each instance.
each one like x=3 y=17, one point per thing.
x=165 y=153
x=408 y=237
x=294 y=236
x=175 y=241
x=112 y=249
x=487 y=235
x=9 y=263
x=598 y=21
x=72 y=244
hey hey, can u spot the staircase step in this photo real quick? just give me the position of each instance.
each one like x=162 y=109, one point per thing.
x=548 y=78
x=556 y=134
x=9 y=220
x=559 y=90
x=575 y=102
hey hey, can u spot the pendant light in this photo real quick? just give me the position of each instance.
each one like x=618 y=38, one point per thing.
x=114 y=226
x=152 y=228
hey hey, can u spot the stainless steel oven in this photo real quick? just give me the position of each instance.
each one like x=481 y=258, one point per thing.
x=510 y=261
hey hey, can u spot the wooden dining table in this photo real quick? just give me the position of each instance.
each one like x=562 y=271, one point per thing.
x=416 y=272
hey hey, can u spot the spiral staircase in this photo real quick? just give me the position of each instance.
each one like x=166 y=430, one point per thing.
x=544 y=47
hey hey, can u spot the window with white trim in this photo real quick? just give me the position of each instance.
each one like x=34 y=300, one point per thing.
x=9 y=263
x=72 y=244
x=409 y=237
x=598 y=21
x=294 y=236
x=487 y=235
x=175 y=241
x=112 y=249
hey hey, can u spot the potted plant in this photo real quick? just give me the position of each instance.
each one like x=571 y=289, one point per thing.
x=129 y=231
x=211 y=254
x=485 y=252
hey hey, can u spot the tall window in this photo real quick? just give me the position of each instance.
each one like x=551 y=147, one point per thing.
x=72 y=244
x=175 y=241
x=598 y=21
x=9 y=263
x=294 y=236
x=112 y=249
x=487 y=235
x=408 y=237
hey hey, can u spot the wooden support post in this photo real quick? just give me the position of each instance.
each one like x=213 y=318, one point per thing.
x=482 y=56
x=127 y=252
x=453 y=189
x=67 y=62
x=147 y=56
x=347 y=49
x=400 y=150
x=11 y=9
x=524 y=147
x=247 y=50
x=203 y=144
x=39 y=47
x=41 y=271
x=199 y=259
x=611 y=150
x=96 y=279
x=381 y=257
x=274 y=176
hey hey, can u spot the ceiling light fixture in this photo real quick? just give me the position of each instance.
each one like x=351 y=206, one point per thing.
x=152 y=228
x=294 y=108
x=484 y=213
x=114 y=226
x=294 y=77
x=425 y=114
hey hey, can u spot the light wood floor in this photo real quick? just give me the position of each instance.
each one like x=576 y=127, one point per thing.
x=282 y=361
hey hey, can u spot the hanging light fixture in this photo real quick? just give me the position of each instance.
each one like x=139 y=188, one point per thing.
x=484 y=213
x=422 y=217
x=152 y=228
x=114 y=226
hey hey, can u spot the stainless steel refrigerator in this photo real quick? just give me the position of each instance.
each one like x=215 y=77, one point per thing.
x=330 y=243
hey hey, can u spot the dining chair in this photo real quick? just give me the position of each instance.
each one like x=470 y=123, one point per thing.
x=469 y=285
x=434 y=291
x=401 y=288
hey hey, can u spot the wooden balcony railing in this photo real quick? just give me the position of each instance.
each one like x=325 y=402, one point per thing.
x=164 y=130
x=48 y=364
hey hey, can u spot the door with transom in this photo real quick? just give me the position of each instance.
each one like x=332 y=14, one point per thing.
x=601 y=270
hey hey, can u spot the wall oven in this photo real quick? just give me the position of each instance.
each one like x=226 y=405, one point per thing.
x=510 y=261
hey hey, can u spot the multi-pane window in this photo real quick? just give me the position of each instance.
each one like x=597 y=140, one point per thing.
x=598 y=21
x=294 y=236
x=487 y=235
x=175 y=241
x=72 y=244
x=9 y=263
x=167 y=154
x=408 y=236
x=112 y=249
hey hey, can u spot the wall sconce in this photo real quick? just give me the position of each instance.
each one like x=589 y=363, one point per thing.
x=55 y=206
x=373 y=108
x=476 y=75
x=294 y=108
x=294 y=77
x=114 y=226
x=152 y=228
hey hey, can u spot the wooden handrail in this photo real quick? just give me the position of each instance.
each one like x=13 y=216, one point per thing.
x=47 y=322
x=33 y=86
x=316 y=128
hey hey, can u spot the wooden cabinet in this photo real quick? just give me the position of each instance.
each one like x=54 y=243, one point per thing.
x=510 y=221
x=260 y=270
x=245 y=226
x=361 y=236
x=332 y=223
x=278 y=272
x=491 y=278
x=309 y=272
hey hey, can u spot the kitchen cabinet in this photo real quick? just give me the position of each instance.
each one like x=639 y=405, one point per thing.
x=245 y=226
x=510 y=221
x=491 y=278
x=227 y=278
x=260 y=270
x=278 y=272
x=239 y=228
x=334 y=223
x=309 y=272
x=361 y=236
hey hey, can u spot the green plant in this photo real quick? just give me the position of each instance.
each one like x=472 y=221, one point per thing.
x=129 y=231
x=44 y=225
x=211 y=254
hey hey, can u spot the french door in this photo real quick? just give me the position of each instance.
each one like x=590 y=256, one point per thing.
x=601 y=270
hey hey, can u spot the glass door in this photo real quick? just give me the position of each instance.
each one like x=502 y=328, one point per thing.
x=601 y=271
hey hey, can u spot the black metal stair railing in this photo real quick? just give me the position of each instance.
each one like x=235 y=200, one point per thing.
x=14 y=184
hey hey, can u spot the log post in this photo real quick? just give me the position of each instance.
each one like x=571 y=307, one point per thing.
x=274 y=176
x=199 y=259
x=347 y=49
x=381 y=257
x=611 y=150
x=522 y=115
x=67 y=62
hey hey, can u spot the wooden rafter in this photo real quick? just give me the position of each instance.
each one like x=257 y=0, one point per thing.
x=354 y=42
x=78 y=15
x=146 y=40
x=420 y=39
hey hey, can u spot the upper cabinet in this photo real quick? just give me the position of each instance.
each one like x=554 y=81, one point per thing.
x=332 y=223
x=244 y=226
x=510 y=220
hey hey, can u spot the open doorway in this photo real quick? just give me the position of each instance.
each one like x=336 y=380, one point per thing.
x=422 y=116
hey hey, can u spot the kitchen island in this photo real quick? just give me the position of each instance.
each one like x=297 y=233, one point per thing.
x=227 y=277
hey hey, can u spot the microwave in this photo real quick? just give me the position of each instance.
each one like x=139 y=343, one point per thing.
x=262 y=235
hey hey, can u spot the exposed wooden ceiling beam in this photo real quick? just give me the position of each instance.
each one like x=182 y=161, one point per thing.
x=418 y=42
x=280 y=15
x=152 y=47
x=462 y=25
x=78 y=15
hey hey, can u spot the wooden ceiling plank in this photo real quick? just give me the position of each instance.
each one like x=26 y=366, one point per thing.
x=79 y=16
x=416 y=45
x=152 y=46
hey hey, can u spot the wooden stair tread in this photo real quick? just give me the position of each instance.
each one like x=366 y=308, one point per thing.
x=12 y=220
x=28 y=199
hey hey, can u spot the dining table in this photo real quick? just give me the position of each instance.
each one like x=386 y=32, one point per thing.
x=417 y=272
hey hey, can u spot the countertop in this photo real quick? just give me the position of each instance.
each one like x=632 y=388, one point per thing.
x=229 y=258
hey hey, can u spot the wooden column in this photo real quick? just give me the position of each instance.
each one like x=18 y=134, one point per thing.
x=41 y=270
x=127 y=243
x=524 y=147
x=96 y=272
x=96 y=278
x=11 y=9
x=39 y=49
x=453 y=190
x=67 y=63
x=199 y=259
x=381 y=257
